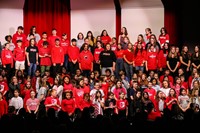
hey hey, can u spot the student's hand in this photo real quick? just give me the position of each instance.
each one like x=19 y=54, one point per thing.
x=61 y=64
x=54 y=64
x=4 y=66
x=29 y=63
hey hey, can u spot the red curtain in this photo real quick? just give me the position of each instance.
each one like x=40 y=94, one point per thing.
x=171 y=20
x=47 y=14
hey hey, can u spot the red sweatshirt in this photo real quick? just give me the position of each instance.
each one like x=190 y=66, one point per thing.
x=52 y=100
x=152 y=60
x=7 y=57
x=57 y=54
x=73 y=53
x=18 y=36
x=85 y=60
x=4 y=87
x=97 y=52
x=139 y=58
x=45 y=61
x=19 y=54
x=68 y=105
x=51 y=40
x=163 y=38
x=65 y=44
x=105 y=39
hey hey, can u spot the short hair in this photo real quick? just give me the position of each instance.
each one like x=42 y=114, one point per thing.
x=45 y=43
x=20 y=27
x=64 y=34
x=7 y=36
x=19 y=41
x=6 y=44
x=57 y=39
x=44 y=33
x=73 y=40
x=53 y=29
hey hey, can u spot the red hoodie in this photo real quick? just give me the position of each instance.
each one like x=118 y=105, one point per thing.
x=19 y=54
x=139 y=58
x=85 y=60
x=152 y=60
x=18 y=36
x=97 y=52
x=7 y=57
x=73 y=53
x=57 y=55
x=65 y=44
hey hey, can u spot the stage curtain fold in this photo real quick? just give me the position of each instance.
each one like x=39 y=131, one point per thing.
x=47 y=14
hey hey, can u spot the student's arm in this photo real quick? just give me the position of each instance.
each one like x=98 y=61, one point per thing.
x=182 y=62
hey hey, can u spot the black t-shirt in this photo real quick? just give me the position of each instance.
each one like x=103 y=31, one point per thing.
x=32 y=50
x=172 y=62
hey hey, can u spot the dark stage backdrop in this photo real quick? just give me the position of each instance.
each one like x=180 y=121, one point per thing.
x=47 y=14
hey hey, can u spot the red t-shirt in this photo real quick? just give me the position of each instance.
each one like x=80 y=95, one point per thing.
x=19 y=54
x=57 y=55
x=85 y=60
x=52 y=100
x=129 y=55
x=121 y=104
x=68 y=105
x=45 y=61
x=73 y=53
x=97 y=52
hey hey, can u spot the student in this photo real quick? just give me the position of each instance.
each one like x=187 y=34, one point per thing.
x=163 y=37
x=98 y=103
x=19 y=57
x=68 y=104
x=52 y=101
x=122 y=106
x=80 y=40
x=32 y=104
x=44 y=38
x=110 y=105
x=19 y=35
x=97 y=52
x=33 y=31
x=64 y=42
x=53 y=37
x=128 y=61
x=107 y=60
x=32 y=57
x=57 y=57
x=16 y=101
x=105 y=38
x=7 y=60
x=45 y=57
x=86 y=60
x=8 y=39
x=3 y=105
x=73 y=53
x=123 y=34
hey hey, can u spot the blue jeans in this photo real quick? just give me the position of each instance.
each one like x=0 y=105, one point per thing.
x=119 y=66
x=31 y=69
x=129 y=70
x=141 y=68
x=66 y=62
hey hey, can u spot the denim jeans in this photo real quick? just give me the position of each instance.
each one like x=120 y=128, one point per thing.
x=66 y=62
x=119 y=66
x=31 y=69
x=141 y=68
x=129 y=70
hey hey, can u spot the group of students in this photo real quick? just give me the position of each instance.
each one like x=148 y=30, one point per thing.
x=108 y=75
